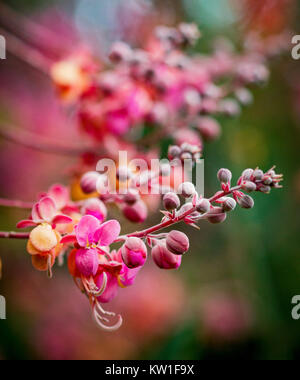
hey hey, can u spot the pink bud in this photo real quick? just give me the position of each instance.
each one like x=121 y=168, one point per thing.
x=95 y=207
x=248 y=186
x=88 y=182
x=120 y=52
x=203 y=206
x=246 y=201
x=247 y=174
x=174 y=152
x=216 y=216
x=165 y=259
x=137 y=213
x=171 y=201
x=131 y=197
x=177 y=242
x=229 y=204
x=209 y=128
x=186 y=189
x=134 y=252
x=224 y=175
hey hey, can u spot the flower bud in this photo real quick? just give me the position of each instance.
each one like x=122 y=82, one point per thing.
x=165 y=259
x=186 y=156
x=265 y=189
x=134 y=252
x=174 y=152
x=246 y=201
x=229 y=204
x=244 y=96
x=209 y=128
x=258 y=174
x=203 y=206
x=230 y=107
x=124 y=173
x=89 y=181
x=120 y=52
x=171 y=201
x=177 y=242
x=216 y=216
x=247 y=174
x=186 y=189
x=268 y=181
x=136 y=213
x=131 y=197
x=165 y=170
x=224 y=175
x=95 y=207
x=249 y=186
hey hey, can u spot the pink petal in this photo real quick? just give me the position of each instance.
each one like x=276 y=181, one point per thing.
x=35 y=214
x=107 y=233
x=129 y=275
x=111 y=288
x=87 y=262
x=26 y=223
x=47 y=209
x=68 y=239
x=62 y=219
x=86 y=229
x=60 y=195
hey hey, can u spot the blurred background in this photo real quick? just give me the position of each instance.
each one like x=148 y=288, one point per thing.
x=231 y=299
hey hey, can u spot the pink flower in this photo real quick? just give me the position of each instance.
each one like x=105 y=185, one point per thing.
x=96 y=208
x=45 y=211
x=134 y=252
x=61 y=196
x=118 y=275
x=92 y=237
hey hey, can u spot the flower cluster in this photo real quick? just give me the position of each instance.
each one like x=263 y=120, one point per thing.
x=162 y=86
x=140 y=98
x=80 y=231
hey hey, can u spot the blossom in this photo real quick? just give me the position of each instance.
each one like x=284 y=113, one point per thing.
x=44 y=240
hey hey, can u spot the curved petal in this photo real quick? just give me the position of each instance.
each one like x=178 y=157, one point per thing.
x=68 y=239
x=86 y=229
x=35 y=214
x=129 y=275
x=111 y=288
x=60 y=195
x=47 y=209
x=107 y=233
x=62 y=219
x=26 y=224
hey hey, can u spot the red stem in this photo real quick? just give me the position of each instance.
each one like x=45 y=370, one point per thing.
x=14 y=235
x=15 y=203
x=167 y=223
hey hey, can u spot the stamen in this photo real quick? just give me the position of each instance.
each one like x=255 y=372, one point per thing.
x=49 y=267
x=91 y=288
x=99 y=318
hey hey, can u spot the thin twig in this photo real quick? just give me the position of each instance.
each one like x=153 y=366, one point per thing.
x=14 y=235
x=42 y=144
x=26 y=53
x=15 y=203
